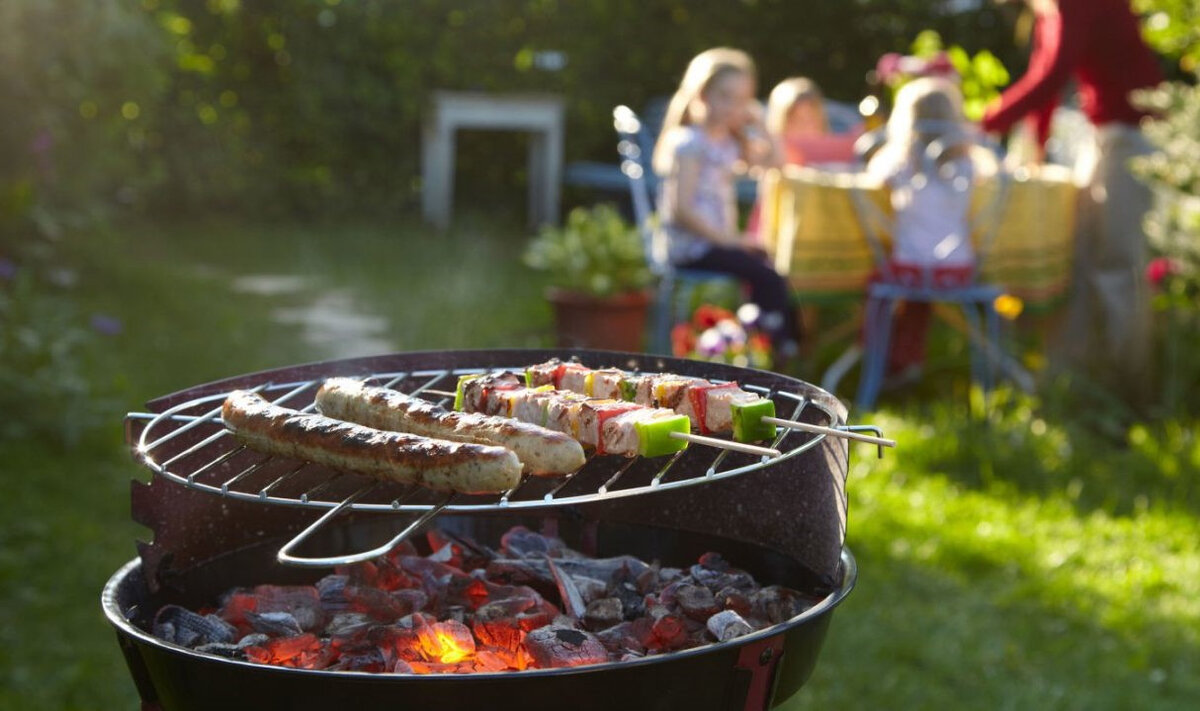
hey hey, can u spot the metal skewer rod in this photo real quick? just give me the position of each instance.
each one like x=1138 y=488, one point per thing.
x=728 y=444
x=438 y=393
x=695 y=439
x=831 y=431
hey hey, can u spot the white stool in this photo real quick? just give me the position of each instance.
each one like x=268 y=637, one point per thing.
x=538 y=114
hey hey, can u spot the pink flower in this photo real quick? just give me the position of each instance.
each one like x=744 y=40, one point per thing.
x=1159 y=269
x=888 y=66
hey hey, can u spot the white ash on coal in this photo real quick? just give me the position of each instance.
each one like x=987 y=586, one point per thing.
x=533 y=603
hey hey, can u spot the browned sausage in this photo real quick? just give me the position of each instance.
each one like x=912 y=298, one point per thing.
x=542 y=451
x=392 y=456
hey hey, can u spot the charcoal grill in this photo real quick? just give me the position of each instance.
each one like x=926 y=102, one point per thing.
x=224 y=516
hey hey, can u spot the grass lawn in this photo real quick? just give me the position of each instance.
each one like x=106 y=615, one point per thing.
x=1025 y=563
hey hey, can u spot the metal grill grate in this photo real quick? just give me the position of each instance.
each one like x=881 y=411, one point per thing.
x=189 y=445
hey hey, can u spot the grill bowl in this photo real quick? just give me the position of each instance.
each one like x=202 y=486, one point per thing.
x=751 y=672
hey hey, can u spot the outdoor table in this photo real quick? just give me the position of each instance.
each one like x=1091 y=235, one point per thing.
x=829 y=231
x=540 y=115
x=819 y=225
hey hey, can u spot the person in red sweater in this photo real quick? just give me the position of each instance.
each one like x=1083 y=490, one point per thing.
x=1098 y=44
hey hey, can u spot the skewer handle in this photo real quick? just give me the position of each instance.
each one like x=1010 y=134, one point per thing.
x=831 y=431
x=728 y=444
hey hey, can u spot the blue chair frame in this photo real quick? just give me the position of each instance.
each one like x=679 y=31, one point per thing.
x=976 y=300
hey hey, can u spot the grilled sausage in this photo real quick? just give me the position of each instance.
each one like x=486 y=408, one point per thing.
x=391 y=456
x=542 y=451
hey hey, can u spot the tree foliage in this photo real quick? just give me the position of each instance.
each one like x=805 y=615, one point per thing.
x=304 y=105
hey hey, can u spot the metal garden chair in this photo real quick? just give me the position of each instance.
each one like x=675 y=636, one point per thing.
x=975 y=299
x=675 y=286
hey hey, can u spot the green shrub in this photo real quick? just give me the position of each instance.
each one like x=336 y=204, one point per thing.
x=595 y=251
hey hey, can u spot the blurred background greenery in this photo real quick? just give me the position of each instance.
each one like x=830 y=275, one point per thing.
x=191 y=189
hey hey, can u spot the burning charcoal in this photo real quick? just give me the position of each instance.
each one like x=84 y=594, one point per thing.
x=499 y=634
x=433 y=668
x=777 y=604
x=220 y=649
x=444 y=642
x=423 y=569
x=556 y=647
x=274 y=624
x=531 y=570
x=285 y=651
x=536 y=617
x=603 y=613
x=519 y=572
x=365 y=658
x=391 y=578
x=568 y=593
x=402 y=667
x=590 y=588
x=184 y=627
x=489 y=661
x=410 y=600
x=464 y=591
x=400 y=638
x=235 y=605
x=648 y=580
x=717 y=579
x=632 y=600
x=347 y=625
x=449 y=554
x=669 y=595
x=633 y=636
x=655 y=610
x=666 y=576
x=331 y=590
x=302 y=601
x=714 y=561
x=405 y=548
x=364 y=573
x=696 y=602
x=520 y=542
x=253 y=639
x=727 y=624
x=377 y=603
x=731 y=598
x=670 y=633
x=475 y=556
x=508 y=607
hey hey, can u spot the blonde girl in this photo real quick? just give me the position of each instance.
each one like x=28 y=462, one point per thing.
x=926 y=161
x=711 y=127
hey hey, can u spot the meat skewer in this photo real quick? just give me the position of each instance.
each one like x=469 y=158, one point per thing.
x=611 y=426
x=390 y=456
x=542 y=451
x=712 y=407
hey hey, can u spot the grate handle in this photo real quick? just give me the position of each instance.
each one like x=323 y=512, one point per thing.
x=286 y=557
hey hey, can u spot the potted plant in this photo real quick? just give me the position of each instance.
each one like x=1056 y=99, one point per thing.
x=600 y=280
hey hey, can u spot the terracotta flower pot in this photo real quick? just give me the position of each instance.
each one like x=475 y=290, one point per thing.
x=615 y=322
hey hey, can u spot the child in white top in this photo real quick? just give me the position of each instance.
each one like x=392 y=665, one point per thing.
x=711 y=128
x=926 y=162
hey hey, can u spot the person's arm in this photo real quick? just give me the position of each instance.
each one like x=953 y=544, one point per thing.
x=686 y=185
x=759 y=148
x=1057 y=48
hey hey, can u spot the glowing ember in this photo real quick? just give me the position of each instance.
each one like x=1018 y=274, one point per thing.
x=446 y=642
x=467 y=608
